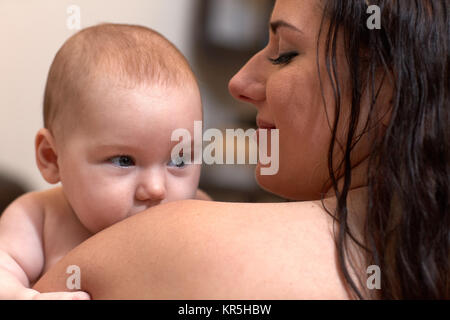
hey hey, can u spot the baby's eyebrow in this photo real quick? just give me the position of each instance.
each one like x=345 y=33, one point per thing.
x=109 y=146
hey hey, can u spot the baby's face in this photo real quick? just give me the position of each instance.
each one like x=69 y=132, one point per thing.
x=116 y=161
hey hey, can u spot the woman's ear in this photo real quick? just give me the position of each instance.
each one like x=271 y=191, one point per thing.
x=46 y=156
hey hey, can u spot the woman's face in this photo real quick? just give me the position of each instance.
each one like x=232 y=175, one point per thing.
x=282 y=82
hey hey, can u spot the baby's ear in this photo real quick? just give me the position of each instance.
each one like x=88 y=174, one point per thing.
x=46 y=156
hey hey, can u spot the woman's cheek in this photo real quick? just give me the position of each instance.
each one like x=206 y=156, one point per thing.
x=287 y=95
x=277 y=94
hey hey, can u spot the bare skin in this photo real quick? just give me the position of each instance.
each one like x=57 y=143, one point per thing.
x=44 y=228
x=213 y=250
x=209 y=250
x=100 y=185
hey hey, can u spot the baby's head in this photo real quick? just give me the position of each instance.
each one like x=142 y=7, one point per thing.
x=114 y=95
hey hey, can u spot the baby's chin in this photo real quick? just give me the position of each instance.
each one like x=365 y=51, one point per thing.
x=96 y=225
x=140 y=210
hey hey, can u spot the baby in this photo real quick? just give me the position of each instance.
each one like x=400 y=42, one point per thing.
x=114 y=95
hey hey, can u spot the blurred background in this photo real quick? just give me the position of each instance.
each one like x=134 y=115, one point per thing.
x=216 y=36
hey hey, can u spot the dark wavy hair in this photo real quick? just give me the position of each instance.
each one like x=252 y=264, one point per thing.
x=407 y=227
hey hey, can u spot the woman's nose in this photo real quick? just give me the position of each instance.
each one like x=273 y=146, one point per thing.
x=151 y=187
x=249 y=84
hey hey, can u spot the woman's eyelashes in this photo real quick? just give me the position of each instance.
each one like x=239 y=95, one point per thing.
x=122 y=161
x=284 y=58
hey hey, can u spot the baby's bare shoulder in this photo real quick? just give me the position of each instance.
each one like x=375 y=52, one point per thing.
x=30 y=209
x=48 y=202
x=28 y=227
x=38 y=199
x=29 y=205
x=21 y=233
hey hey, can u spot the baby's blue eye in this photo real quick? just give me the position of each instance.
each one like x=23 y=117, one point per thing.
x=179 y=162
x=122 y=161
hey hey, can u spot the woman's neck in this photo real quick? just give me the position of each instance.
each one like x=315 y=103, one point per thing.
x=358 y=178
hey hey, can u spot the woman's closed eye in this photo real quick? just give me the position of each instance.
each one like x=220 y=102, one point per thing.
x=122 y=161
x=284 y=58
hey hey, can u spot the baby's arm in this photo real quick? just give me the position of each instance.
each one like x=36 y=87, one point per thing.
x=21 y=251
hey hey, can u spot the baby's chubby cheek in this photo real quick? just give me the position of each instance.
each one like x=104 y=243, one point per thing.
x=183 y=188
x=103 y=210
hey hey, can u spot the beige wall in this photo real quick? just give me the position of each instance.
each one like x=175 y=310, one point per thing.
x=31 y=31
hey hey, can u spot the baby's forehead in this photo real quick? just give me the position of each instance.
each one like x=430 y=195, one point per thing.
x=108 y=93
x=109 y=106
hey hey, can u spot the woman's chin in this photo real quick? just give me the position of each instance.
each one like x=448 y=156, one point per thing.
x=273 y=184
x=283 y=186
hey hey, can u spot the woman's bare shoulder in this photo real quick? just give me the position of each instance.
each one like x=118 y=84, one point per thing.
x=212 y=250
x=266 y=250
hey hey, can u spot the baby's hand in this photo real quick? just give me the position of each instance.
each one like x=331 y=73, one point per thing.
x=78 y=295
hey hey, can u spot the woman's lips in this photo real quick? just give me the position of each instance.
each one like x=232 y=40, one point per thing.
x=267 y=133
x=264 y=125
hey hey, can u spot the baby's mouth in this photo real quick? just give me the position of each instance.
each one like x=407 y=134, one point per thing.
x=143 y=208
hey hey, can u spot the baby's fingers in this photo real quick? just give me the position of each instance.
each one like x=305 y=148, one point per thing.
x=78 y=295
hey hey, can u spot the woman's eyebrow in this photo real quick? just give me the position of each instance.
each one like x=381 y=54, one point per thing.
x=281 y=23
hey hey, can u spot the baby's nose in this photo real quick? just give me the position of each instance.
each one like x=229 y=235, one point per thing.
x=153 y=189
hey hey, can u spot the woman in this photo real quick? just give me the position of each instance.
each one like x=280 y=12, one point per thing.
x=364 y=148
